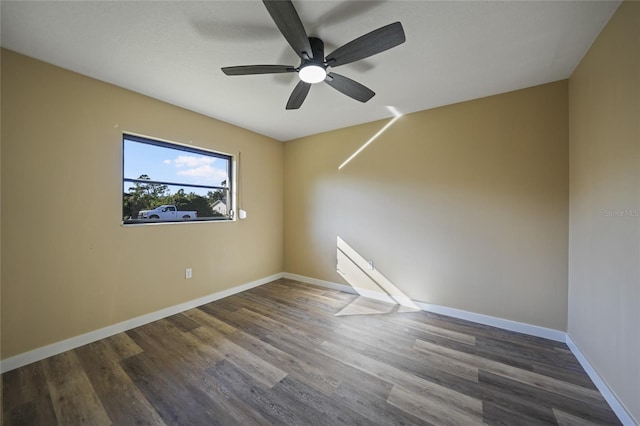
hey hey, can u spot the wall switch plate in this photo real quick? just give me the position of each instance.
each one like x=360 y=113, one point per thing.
x=188 y=273
x=243 y=214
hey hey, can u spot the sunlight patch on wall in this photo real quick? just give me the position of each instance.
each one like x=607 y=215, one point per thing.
x=379 y=295
x=396 y=115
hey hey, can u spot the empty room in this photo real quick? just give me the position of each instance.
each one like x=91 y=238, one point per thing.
x=317 y=212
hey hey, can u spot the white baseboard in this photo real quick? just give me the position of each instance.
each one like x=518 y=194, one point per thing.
x=340 y=287
x=607 y=393
x=322 y=283
x=83 y=339
x=505 y=324
x=532 y=330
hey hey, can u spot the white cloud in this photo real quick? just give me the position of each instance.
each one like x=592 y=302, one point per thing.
x=191 y=161
x=200 y=169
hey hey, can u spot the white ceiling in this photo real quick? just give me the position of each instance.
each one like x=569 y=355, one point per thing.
x=173 y=51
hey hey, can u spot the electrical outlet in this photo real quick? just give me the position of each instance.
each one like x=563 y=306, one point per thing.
x=371 y=265
x=188 y=273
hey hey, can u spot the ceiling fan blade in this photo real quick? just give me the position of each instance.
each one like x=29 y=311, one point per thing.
x=376 y=41
x=349 y=87
x=288 y=22
x=298 y=95
x=257 y=69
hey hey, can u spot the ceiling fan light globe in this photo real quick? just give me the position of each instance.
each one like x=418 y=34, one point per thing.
x=312 y=74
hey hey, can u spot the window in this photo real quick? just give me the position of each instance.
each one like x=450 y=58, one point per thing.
x=165 y=182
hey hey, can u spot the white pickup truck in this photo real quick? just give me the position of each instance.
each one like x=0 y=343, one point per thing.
x=166 y=212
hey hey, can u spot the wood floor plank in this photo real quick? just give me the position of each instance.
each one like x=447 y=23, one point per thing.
x=211 y=321
x=448 y=397
x=528 y=377
x=280 y=341
x=501 y=356
x=301 y=369
x=566 y=419
x=361 y=397
x=373 y=334
x=394 y=346
x=411 y=364
x=298 y=392
x=122 y=400
x=296 y=300
x=537 y=402
x=337 y=295
x=26 y=396
x=262 y=371
x=315 y=294
x=176 y=397
x=271 y=405
x=278 y=355
x=518 y=352
x=123 y=346
x=277 y=336
x=273 y=308
x=499 y=415
x=468 y=339
x=366 y=306
x=568 y=372
x=292 y=316
x=278 y=327
x=166 y=344
x=183 y=322
x=65 y=376
x=481 y=331
x=236 y=410
x=429 y=407
x=504 y=403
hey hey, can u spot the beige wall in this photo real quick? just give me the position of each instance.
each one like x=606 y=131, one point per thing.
x=464 y=206
x=69 y=267
x=604 y=243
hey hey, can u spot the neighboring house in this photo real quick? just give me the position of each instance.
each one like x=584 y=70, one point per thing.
x=219 y=206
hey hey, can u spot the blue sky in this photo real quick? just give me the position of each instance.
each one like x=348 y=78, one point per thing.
x=169 y=165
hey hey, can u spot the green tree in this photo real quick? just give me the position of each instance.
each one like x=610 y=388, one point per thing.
x=143 y=196
x=213 y=196
x=192 y=201
x=147 y=196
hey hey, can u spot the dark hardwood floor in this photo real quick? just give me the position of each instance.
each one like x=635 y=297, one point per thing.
x=278 y=354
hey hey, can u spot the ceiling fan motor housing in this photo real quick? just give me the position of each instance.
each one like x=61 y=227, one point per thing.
x=313 y=69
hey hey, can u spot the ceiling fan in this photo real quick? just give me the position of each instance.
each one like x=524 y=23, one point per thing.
x=314 y=65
